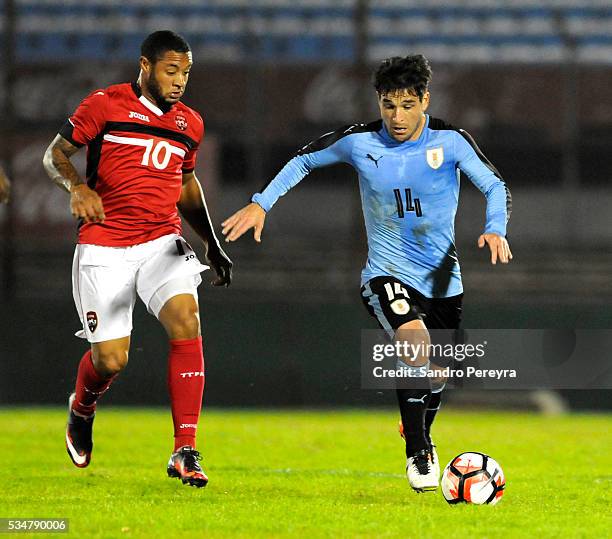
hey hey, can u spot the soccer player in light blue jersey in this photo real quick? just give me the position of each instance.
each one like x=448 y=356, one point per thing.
x=409 y=168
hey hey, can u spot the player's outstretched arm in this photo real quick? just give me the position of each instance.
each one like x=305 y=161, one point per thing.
x=5 y=187
x=192 y=206
x=251 y=216
x=499 y=247
x=85 y=203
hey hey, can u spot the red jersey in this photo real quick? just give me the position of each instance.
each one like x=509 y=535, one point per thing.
x=136 y=156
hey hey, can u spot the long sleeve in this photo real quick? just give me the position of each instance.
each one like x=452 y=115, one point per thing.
x=487 y=179
x=334 y=147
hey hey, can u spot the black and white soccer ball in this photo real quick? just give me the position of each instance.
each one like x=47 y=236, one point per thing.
x=473 y=478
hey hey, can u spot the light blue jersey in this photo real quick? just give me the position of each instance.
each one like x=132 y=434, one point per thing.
x=409 y=195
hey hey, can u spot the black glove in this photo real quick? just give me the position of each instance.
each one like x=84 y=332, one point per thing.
x=222 y=265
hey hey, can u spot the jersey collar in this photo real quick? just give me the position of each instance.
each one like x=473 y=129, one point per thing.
x=384 y=134
x=152 y=107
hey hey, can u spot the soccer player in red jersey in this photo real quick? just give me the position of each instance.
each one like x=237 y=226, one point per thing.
x=141 y=153
x=5 y=187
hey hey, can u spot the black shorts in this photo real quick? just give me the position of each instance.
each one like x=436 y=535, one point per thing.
x=394 y=303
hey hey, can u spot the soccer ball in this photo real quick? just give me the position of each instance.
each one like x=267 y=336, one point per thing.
x=473 y=478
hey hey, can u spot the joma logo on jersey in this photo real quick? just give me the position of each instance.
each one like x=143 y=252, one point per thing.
x=139 y=116
x=191 y=374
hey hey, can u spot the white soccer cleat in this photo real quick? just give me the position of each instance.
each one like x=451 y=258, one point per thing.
x=420 y=472
x=435 y=461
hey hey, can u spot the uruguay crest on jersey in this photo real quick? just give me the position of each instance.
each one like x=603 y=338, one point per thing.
x=435 y=157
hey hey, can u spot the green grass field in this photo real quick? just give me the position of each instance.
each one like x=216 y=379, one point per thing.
x=305 y=474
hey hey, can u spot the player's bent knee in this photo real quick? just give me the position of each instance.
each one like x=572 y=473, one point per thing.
x=110 y=361
x=186 y=325
x=180 y=317
x=110 y=357
x=414 y=334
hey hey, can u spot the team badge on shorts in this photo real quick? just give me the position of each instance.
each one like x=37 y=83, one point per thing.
x=92 y=321
x=435 y=157
x=400 y=307
x=181 y=122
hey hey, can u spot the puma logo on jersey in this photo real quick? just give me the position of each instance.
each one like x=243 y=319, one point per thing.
x=139 y=116
x=421 y=400
x=369 y=156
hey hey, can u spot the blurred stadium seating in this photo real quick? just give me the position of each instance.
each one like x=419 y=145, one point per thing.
x=524 y=31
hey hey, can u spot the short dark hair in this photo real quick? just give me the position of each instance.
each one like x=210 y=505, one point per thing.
x=403 y=73
x=156 y=44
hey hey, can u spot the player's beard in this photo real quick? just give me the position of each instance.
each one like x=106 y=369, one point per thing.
x=154 y=90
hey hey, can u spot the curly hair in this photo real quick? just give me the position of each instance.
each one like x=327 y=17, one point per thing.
x=403 y=73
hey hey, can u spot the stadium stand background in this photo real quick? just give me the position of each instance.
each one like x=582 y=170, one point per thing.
x=529 y=79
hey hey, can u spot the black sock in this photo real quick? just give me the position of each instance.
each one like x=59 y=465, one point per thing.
x=413 y=404
x=430 y=413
